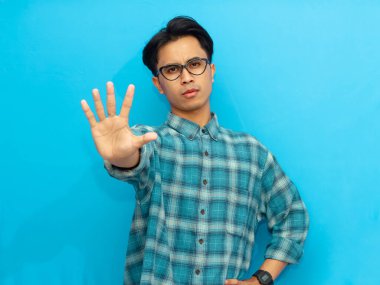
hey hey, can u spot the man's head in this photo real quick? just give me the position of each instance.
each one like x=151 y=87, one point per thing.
x=176 y=28
x=179 y=57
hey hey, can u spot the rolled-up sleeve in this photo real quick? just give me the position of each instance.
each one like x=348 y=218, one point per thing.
x=286 y=214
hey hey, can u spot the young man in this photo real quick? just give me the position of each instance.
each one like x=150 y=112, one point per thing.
x=201 y=190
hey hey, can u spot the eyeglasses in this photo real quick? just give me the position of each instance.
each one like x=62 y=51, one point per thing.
x=195 y=66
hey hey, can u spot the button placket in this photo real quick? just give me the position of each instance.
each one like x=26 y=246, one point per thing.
x=202 y=227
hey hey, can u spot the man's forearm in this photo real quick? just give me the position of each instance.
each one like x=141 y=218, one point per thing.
x=274 y=267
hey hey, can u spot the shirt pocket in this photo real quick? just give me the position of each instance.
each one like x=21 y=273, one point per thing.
x=237 y=211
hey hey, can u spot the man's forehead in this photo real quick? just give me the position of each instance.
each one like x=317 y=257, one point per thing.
x=180 y=51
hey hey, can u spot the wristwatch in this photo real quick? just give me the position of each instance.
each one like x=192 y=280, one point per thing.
x=264 y=277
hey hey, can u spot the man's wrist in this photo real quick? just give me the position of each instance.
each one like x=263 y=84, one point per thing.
x=263 y=277
x=128 y=163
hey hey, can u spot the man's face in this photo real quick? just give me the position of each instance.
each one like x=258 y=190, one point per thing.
x=188 y=94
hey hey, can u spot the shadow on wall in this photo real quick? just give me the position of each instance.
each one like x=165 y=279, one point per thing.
x=149 y=106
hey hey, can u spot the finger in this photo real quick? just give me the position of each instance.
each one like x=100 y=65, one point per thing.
x=111 y=103
x=127 y=103
x=98 y=104
x=144 y=139
x=87 y=111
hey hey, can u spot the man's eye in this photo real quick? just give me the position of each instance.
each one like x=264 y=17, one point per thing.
x=195 y=64
x=171 y=69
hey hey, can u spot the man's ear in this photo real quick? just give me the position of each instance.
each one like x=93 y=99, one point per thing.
x=213 y=70
x=156 y=83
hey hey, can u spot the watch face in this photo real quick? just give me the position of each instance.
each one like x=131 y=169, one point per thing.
x=264 y=277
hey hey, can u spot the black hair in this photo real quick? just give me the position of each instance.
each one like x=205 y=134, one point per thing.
x=176 y=28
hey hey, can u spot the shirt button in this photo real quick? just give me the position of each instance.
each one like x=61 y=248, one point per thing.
x=203 y=211
x=201 y=241
x=204 y=131
x=197 y=271
x=206 y=153
x=204 y=181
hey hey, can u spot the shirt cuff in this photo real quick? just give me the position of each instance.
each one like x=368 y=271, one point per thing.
x=285 y=250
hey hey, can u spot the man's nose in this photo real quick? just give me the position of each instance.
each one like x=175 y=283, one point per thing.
x=186 y=76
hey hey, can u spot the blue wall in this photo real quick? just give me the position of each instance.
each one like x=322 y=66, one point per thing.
x=302 y=76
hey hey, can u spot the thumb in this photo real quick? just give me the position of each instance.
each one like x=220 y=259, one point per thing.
x=146 y=138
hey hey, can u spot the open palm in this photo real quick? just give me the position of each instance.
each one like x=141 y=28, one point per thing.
x=112 y=135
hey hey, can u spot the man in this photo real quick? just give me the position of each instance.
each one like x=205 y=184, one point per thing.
x=201 y=190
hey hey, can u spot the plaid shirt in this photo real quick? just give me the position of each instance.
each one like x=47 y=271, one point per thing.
x=200 y=194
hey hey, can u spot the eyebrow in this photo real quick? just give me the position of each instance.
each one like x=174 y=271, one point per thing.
x=169 y=64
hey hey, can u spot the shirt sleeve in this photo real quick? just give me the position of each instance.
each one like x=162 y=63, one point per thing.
x=142 y=176
x=286 y=214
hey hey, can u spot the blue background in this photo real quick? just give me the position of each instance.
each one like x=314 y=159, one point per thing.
x=302 y=76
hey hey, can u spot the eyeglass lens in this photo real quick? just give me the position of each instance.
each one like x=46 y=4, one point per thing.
x=194 y=66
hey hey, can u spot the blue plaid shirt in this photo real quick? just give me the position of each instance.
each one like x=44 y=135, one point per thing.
x=200 y=195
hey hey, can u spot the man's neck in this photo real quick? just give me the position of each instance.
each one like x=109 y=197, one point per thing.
x=200 y=117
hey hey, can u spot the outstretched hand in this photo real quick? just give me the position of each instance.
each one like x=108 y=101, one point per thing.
x=112 y=135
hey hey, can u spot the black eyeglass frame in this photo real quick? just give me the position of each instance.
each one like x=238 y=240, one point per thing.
x=182 y=66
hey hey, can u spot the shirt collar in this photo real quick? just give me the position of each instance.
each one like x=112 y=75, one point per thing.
x=190 y=129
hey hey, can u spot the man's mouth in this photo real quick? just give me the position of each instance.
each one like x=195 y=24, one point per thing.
x=190 y=93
